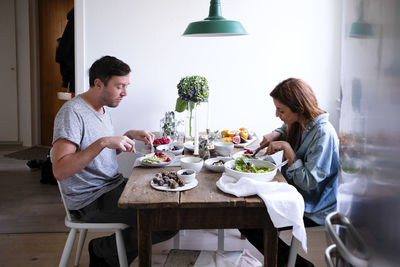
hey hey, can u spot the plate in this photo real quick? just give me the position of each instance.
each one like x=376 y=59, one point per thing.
x=189 y=146
x=161 y=164
x=248 y=142
x=241 y=154
x=180 y=188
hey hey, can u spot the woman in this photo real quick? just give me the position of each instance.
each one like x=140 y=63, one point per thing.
x=310 y=144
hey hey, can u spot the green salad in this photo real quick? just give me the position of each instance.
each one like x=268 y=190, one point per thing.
x=242 y=166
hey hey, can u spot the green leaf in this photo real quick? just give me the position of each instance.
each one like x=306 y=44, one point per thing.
x=181 y=105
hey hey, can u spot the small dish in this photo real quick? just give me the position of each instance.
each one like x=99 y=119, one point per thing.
x=193 y=163
x=224 y=148
x=187 y=175
x=210 y=164
x=174 y=149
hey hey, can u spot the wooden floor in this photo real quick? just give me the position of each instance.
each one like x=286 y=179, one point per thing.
x=44 y=249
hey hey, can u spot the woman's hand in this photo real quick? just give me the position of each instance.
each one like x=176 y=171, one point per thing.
x=146 y=136
x=288 y=152
x=268 y=138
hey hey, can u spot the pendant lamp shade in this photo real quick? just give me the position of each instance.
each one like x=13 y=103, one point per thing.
x=360 y=28
x=215 y=24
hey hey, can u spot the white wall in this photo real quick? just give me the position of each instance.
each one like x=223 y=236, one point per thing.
x=286 y=39
x=24 y=72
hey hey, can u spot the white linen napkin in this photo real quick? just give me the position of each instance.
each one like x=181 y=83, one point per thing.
x=284 y=203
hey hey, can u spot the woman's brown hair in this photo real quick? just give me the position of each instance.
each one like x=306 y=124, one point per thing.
x=300 y=98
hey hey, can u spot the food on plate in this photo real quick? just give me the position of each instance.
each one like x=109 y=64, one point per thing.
x=236 y=136
x=236 y=139
x=168 y=178
x=232 y=133
x=158 y=157
x=218 y=163
x=161 y=141
x=173 y=148
x=245 y=166
x=249 y=154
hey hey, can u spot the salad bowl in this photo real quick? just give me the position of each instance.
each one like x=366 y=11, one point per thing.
x=253 y=168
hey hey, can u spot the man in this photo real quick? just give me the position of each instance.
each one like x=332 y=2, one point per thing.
x=85 y=159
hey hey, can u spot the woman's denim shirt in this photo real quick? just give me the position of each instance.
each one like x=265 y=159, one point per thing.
x=315 y=172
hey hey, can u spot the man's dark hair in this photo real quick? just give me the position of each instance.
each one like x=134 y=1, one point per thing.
x=106 y=67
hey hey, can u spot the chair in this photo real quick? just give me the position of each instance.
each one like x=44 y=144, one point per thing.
x=294 y=245
x=83 y=228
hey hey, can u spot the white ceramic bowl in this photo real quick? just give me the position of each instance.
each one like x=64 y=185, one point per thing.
x=224 y=148
x=178 y=149
x=193 y=163
x=268 y=176
x=216 y=168
x=189 y=177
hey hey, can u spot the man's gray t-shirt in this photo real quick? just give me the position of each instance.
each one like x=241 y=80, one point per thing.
x=82 y=125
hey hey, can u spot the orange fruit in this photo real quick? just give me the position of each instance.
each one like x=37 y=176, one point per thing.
x=226 y=139
x=232 y=133
x=244 y=134
x=243 y=129
x=225 y=133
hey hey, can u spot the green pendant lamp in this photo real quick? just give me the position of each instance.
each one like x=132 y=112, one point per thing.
x=215 y=24
x=360 y=28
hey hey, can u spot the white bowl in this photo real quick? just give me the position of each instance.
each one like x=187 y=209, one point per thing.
x=216 y=168
x=193 y=163
x=224 y=148
x=189 y=177
x=178 y=149
x=267 y=176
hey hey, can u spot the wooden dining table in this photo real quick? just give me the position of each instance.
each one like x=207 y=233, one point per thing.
x=203 y=207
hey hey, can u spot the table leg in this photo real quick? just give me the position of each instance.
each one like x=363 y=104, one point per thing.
x=144 y=238
x=270 y=247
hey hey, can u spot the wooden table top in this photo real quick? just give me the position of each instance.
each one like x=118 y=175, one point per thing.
x=138 y=192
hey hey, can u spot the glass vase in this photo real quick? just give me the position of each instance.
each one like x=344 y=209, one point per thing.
x=190 y=123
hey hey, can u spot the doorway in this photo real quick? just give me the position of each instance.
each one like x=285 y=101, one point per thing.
x=52 y=22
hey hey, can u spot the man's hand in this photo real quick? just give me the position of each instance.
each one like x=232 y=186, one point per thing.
x=287 y=150
x=143 y=135
x=120 y=143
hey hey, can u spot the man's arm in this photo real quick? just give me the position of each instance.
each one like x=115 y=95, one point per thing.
x=67 y=161
x=143 y=135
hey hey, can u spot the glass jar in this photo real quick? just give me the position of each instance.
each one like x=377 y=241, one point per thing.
x=169 y=126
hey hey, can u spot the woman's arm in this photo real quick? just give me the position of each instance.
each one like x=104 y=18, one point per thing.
x=316 y=164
